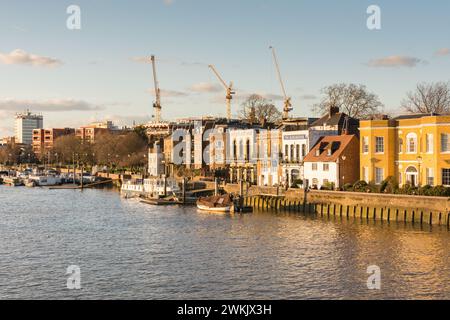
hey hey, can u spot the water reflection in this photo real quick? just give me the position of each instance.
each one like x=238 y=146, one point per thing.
x=130 y=250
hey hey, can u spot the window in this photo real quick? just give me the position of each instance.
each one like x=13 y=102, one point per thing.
x=430 y=177
x=365 y=146
x=297 y=148
x=315 y=182
x=314 y=167
x=379 y=175
x=400 y=178
x=326 y=167
x=446 y=177
x=379 y=144
x=325 y=182
x=286 y=151
x=411 y=140
x=400 y=145
x=365 y=174
x=445 y=142
x=303 y=150
x=429 y=143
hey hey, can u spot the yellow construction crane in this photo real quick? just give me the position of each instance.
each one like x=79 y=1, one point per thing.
x=228 y=88
x=157 y=104
x=287 y=100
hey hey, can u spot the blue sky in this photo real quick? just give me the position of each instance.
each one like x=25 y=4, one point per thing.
x=74 y=77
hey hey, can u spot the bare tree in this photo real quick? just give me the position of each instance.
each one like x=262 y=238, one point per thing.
x=353 y=100
x=428 y=98
x=257 y=109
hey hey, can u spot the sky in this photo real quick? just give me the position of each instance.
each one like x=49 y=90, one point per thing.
x=102 y=70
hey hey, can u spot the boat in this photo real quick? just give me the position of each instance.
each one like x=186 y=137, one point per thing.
x=133 y=188
x=216 y=204
x=12 y=181
x=151 y=188
x=45 y=180
x=30 y=183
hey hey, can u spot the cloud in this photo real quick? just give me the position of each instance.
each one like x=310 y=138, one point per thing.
x=168 y=2
x=205 y=87
x=443 y=52
x=21 y=57
x=141 y=59
x=52 y=105
x=170 y=93
x=308 y=97
x=395 y=61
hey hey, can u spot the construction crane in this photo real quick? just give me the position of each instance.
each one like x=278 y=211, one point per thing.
x=157 y=104
x=229 y=91
x=287 y=100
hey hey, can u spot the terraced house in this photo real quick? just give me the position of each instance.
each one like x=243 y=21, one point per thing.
x=415 y=149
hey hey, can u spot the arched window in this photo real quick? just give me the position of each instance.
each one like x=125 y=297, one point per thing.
x=303 y=150
x=411 y=143
x=247 y=150
x=235 y=150
x=241 y=150
x=286 y=151
x=292 y=152
x=297 y=152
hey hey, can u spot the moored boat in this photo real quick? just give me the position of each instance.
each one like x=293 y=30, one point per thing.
x=216 y=204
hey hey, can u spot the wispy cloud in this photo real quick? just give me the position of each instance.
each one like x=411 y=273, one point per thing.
x=443 y=52
x=168 y=2
x=52 y=105
x=21 y=57
x=308 y=97
x=170 y=93
x=395 y=62
x=205 y=87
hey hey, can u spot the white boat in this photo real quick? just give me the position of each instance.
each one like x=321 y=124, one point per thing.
x=45 y=180
x=160 y=187
x=132 y=188
x=216 y=204
x=150 y=188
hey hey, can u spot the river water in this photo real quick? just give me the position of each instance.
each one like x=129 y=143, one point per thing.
x=129 y=250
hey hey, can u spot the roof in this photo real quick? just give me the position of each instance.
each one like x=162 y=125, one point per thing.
x=336 y=145
x=415 y=116
x=334 y=120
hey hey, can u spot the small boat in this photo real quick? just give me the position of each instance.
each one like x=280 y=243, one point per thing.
x=30 y=183
x=216 y=204
x=12 y=181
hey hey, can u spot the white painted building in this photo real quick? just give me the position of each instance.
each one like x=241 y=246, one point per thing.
x=155 y=161
x=269 y=158
x=25 y=123
x=295 y=146
x=242 y=154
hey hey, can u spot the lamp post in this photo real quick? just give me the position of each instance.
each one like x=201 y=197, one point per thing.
x=343 y=176
x=419 y=162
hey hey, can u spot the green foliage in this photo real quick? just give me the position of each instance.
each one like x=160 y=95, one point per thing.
x=390 y=185
x=360 y=186
x=348 y=187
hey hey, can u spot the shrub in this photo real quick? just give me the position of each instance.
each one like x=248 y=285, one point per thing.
x=360 y=186
x=390 y=185
x=348 y=187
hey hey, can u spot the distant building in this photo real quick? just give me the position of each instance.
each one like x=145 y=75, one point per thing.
x=333 y=161
x=414 y=149
x=243 y=155
x=91 y=132
x=156 y=166
x=8 y=141
x=334 y=123
x=25 y=123
x=44 y=139
x=269 y=157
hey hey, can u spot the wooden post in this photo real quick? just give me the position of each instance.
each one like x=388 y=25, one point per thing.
x=81 y=177
x=184 y=190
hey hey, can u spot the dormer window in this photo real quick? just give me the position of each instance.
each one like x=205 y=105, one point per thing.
x=329 y=153
x=317 y=152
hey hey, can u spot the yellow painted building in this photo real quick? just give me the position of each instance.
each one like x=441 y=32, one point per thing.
x=414 y=149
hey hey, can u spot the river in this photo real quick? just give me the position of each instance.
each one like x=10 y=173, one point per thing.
x=129 y=250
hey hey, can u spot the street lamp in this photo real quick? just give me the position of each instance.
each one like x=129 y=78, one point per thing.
x=419 y=162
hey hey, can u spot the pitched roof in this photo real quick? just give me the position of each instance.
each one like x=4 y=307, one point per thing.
x=415 y=116
x=329 y=148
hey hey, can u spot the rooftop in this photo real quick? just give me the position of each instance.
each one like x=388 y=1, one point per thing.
x=329 y=148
